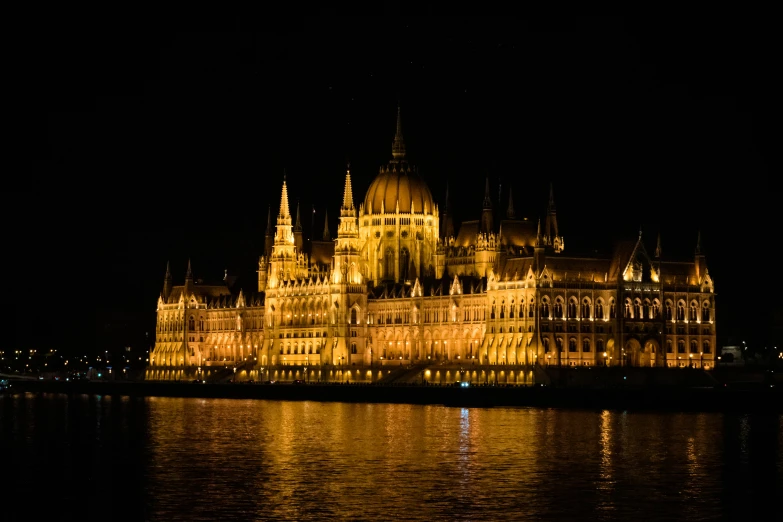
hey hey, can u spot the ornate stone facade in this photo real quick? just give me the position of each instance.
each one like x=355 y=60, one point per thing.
x=398 y=286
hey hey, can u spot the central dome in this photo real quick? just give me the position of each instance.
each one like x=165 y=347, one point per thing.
x=393 y=185
x=398 y=184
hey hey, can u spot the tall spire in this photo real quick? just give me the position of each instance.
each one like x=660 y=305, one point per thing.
x=298 y=224
x=698 y=243
x=539 y=239
x=398 y=145
x=348 y=193
x=167 y=281
x=269 y=231
x=189 y=273
x=284 y=212
x=487 y=225
x=487 y=199
x=446 y=200
x=551 y=218
x=510 y=211
x=658 y=246
x=326 y=235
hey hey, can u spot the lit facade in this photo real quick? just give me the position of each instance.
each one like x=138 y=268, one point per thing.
x=400 y=285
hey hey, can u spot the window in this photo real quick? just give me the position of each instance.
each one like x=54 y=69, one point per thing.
x=572 y=345
x=599 y=310
x=706 y=347
x=191 y=323
x=586 y=345
x=681 y=346
x=668 y=347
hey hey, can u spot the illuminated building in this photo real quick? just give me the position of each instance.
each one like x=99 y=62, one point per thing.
x=399 y=286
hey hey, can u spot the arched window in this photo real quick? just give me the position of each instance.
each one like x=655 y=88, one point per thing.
x=586 y=345
x=404 y=262
x=599 y=345
x=572 y=345
x=353 y=316
x=612 y=310
x=637 y=309
x=201 y=324
x=680 y=346
x=503 y=310
x=706 y=347
x=545 y=310
x=668 y=311
x=192 y=323
x=353 y=348
x=511 y=310
x=669 y=347
x=558 y=309
x=646 y=310
x=585 y=309
x=694 y=347
x=559 y=343
x=627 y=313
x=656 y=309
x=599 y=310
x=680 y=311
x=531 y=310
x=693 y=312
x=705 y=312
x=492 y=312
x=572 y=309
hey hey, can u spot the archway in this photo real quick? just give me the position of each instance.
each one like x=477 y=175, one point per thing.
x=649 y=356
x=632 y=354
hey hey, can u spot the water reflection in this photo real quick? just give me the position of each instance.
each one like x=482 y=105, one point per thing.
x=107 y=457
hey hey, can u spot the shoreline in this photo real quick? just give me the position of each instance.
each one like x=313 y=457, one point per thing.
x=756 y=399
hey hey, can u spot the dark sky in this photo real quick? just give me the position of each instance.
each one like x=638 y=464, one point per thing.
x=159 y=145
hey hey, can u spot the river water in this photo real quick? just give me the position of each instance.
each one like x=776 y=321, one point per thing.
x=89 y=457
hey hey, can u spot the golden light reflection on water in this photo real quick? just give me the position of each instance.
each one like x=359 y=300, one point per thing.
x=210 y=459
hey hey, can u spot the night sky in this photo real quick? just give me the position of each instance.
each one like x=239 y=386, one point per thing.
x=159 y=145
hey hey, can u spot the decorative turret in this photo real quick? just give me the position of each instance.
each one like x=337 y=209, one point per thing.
x=346 y=250
x=398 y=145
x=326 y=236
x=188 y=280
x=167 y=283
x=658 y=247
x=269 y=237
x=701 y=260
x=486 y=213
x=298 y=237
x=347 y=209
x=552 y=237
x=284 y=262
